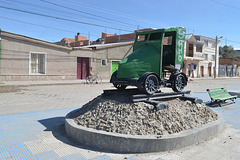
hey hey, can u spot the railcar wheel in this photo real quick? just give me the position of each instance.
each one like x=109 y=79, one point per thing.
x=178 y=83
x=151 y=84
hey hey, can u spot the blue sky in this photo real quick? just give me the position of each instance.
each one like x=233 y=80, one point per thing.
x=209 y=18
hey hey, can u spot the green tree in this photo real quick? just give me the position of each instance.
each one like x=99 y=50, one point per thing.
x=237 y=57
x=227 y=52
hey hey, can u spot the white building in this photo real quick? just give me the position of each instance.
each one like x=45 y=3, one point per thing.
x=199 y=55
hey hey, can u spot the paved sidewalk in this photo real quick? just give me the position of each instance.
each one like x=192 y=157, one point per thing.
x=41 y=83
x=72 y=82
x=41 y=135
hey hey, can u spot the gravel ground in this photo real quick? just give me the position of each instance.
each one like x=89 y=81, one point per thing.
x=117 y=114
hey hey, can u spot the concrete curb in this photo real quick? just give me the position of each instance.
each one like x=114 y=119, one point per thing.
x=47 y=84
x=121 y=143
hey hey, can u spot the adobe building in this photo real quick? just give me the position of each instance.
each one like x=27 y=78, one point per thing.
x=108 y=56
x=78 y=41
x=106 y=38
x=25 y=58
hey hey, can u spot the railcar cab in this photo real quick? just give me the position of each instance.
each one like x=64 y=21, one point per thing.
x=155 y=53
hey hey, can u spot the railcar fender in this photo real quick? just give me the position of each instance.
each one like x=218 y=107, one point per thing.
x=113 y=77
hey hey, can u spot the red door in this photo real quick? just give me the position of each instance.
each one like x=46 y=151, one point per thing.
x=85 y=68
x=79 y=68
x=82 y=67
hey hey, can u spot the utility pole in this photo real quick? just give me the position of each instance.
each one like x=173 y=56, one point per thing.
x=0 y=49
x=216 y=50
x=215 y=68
x=119 y=38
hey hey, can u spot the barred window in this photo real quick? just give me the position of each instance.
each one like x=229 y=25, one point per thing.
x=37 y=63
x=104 y=62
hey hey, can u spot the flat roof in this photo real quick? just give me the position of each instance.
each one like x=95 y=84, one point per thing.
x=108 y=45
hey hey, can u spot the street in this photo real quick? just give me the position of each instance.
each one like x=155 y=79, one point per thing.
x=14 y=99
x=32 y=123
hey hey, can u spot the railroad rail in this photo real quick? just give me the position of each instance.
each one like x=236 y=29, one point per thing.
x=144 y=97
x=156 y=98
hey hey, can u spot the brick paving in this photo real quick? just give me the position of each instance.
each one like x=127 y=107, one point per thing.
x=32 y=125
x=37 y=98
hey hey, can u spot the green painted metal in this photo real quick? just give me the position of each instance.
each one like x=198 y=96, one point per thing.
x=152 y=51
x=138 y=63
x=114 y=66
x=219 y=94
x=180 y=43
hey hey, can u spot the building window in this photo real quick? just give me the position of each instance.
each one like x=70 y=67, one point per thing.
x=213 y=45
x=198 y=48
x=104 y=62
x=37 y=63
x=205 y=56
x=213 y=58
x=206 y=43
x=190 y=50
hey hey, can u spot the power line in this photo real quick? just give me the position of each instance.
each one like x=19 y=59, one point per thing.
x=224 y=4
x=88 y=13
x=231 y=41
x=119 y=14
x=59 y=11
x=35 y=7
x=44 y=26
x=64 y=19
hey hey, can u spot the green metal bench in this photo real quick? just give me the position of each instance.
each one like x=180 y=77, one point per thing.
x=220 y=95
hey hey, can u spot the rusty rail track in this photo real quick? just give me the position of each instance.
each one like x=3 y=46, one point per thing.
x=156 y=98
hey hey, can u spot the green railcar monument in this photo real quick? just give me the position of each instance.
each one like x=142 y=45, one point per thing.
x=155 y=62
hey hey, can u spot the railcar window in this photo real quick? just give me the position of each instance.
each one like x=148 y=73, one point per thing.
x=155 y=36
x=142 y=37
x=168 y=41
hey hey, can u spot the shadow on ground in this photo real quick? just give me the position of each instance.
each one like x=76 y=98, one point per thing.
x=57 y=126
x=232 y=93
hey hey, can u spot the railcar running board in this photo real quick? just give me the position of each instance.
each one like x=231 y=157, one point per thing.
x=144 y=97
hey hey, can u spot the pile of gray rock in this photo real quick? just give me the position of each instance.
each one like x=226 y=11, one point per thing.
x=118 y=114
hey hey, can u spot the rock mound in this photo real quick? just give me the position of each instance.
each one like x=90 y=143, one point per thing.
x=117 y=114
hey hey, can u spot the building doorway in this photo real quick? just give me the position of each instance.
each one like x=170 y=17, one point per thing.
x=202 y=71
x=82 y=67
x=209 y=71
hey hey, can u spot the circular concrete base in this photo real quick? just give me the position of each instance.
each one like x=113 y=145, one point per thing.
x=122 y=143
